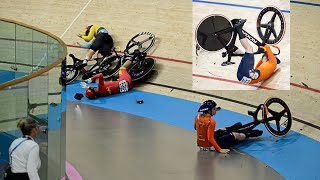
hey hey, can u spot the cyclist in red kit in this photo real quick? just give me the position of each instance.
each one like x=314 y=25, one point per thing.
x=123 y=84
x=105 y=88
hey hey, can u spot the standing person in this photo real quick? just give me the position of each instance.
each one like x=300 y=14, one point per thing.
x=208 y=138
x=24 y=153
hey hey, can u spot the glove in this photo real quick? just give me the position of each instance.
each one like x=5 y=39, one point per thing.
x=89 y=80
x=84 y=85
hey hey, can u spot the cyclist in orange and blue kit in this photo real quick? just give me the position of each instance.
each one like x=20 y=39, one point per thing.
x=208 y=138
x=246 y=73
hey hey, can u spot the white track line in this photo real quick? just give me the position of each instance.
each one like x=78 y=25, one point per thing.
x=75 y=18
x=45 y=55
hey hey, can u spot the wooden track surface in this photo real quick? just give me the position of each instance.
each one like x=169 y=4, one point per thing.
x=171 y=22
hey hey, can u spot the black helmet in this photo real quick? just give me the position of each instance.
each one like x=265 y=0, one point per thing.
x=208 y=105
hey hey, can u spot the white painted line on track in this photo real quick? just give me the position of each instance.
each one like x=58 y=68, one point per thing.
x=75 y=18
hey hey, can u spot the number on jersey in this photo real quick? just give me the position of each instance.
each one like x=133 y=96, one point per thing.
x=123 y=86
x=245 y=80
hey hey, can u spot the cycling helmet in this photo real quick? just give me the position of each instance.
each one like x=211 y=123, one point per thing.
x=91 y=93
x=86 y=30
x=207 y=106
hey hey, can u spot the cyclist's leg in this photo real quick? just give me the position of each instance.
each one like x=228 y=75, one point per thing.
x=238 y=51
x=236 y=126
x=243 y=40
x=246 y=70
x=271 y=57
x=88 y=57
x=248 y=134
x=128 y=63
x=107 y=45
x=96 y=45
x=226 y=140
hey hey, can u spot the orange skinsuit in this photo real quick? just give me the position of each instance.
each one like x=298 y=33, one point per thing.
x=205 y=126
x=266 y=68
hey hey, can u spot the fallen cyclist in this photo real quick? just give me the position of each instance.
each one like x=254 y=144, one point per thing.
x=207 y=136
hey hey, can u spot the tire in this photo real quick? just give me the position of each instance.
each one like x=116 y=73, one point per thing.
x=269 y=126
x=71 y=70
x=110 y=66
x=263 y=35
x=148 y=65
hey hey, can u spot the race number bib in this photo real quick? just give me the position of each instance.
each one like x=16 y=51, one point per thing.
x=245 y=80
x=123 y=86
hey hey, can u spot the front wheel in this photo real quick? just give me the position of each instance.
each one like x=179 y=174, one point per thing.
x=271 y=25
x=71 y=73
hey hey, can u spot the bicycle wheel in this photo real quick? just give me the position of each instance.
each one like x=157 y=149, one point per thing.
x=142 y=41
x=138 y=72
x=214 y=32
x=277 y=110
x=272 y=20
x=110 y=66
x=71 y=74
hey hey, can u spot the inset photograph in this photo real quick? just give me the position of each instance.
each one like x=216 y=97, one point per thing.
x=241 y=46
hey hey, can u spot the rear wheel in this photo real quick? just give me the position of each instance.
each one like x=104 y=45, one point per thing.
x=139 y=71
x=214 y=32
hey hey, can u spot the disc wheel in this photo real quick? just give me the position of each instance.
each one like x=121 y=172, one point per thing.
x=271 y=25
x=214 y=32
x=137 y=72
x=276 y=110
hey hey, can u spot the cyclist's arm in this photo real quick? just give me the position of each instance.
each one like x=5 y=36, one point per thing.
x=195 y=122
x=271 y=58
x=86 y=45
x=90 y=35
x=100 y=77
x=210 y=134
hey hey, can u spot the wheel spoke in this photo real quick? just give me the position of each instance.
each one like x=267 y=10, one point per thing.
x=272 y=112
x=264 y=25
x=273 y=17
x=278 y=125
x=204 y=38
x=222 y=41
x=274 y=32
x=134 y=42
x=267 y=34
x=214 y=28
x=282 y=112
